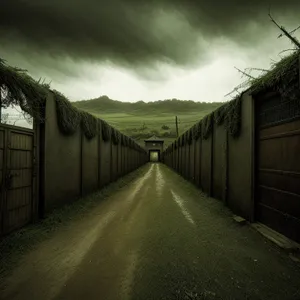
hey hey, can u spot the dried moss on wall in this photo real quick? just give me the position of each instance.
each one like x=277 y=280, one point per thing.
x=20 y=89
x=282 y=78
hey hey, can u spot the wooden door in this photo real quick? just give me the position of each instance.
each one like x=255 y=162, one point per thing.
x=17 y=174
x=278 y=164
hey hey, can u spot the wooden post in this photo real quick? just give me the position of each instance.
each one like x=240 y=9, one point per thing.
x=0 y=104
x=81 y=165
x=99 y=137
x=299 y=68
x=226 y=150
x=211 y=162
x=254 y=156
x=176 y=124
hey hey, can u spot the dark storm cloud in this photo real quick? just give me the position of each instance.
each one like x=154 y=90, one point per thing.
x=136 y=32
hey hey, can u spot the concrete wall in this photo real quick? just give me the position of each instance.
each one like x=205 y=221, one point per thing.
x=198 y=162
x=73 y=166
x=222 y=165
x=114 y=162
x=219 y=162
x=105 y=163
x=90 y=157
x=187 y=160
x=184 y=161
x=240 y=163
x=62 y=162
x=174 y=157
x=206 y=165
x=123 y=160
x=120 y=155
x=192 y=161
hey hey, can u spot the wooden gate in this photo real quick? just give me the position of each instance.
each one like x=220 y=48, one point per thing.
x=17 y=177
x=278 y=164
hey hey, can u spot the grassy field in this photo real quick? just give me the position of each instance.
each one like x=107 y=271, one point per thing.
x=162 y=125
x=142 y=120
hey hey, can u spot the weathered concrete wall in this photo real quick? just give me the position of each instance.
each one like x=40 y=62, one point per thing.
x=174 y=157
x=183 y=170
x=186 y=160
x=120 y=155
x=90 y=157
x=114 y=162
x=192 y=161
x=105 y=163
x=182 y=155
x=219 y=162
x=223 y=166
x=127 y=162
x=179 y=160
x=72 y=165
x=197 y=161
x=240 y=163
x=206 y=165
x=62 y=162
x=124 y=171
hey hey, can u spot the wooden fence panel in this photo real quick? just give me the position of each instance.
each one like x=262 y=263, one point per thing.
x=18 y=175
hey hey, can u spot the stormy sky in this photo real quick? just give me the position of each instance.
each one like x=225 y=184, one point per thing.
x=148 y=50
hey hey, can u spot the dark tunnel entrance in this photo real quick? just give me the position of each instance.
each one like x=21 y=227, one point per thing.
x=154 y=155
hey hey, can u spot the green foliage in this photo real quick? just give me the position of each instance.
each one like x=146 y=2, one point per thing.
x=190 y=136
x=197 y=130
x=18 y=88
x=283 y=78
x=233 y=117
x=68 y=117
x=167 y=134
x=219 y=114
x=115 y=136
x=174 y=106
x=105 y=131
x=89 y=125
x=165 y=127
x=207 y=126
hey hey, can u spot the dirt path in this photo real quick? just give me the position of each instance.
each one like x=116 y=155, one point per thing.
x=157 y=238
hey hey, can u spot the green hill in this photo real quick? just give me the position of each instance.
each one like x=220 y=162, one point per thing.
x=104 y=104
x=141 y=120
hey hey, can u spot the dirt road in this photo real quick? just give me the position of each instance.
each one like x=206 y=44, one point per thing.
x=157 y=238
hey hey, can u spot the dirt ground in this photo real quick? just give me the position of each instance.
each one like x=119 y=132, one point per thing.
x=157 y=238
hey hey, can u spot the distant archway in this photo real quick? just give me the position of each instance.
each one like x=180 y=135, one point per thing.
x=154 y=155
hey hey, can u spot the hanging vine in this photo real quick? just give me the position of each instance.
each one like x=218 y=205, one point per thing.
x=105 y=130
x=197 y=131
x=89 y=125
x=68 y=117
x=190 y=136
x=233 y=117
x=207 y=124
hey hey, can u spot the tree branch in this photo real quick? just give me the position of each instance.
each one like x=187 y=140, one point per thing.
x=285 y=32
x=248 y=75
x=257 y=69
